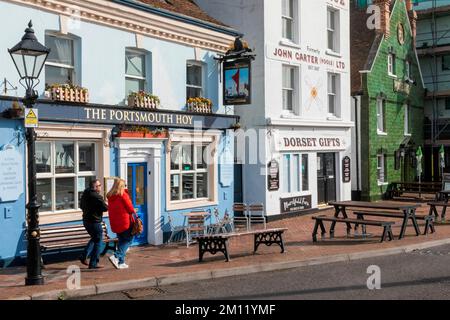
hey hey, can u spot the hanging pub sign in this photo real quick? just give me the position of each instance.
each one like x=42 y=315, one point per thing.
x=346 y=170
x=237 y=82
x=295 y=204
x=273 y=177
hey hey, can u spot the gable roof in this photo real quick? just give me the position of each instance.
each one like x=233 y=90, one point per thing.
x=363 y=46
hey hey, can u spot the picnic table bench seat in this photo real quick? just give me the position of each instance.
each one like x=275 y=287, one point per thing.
x=387 y=226
x=214 y=243
x=72 y=236
x=427 y=218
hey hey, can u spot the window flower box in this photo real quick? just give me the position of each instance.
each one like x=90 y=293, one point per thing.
x=156 y=134
x=130 y=134
x=143 y=100
x=69 y=93
x=199 y=105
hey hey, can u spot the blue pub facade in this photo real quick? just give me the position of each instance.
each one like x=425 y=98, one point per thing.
x=130 y=89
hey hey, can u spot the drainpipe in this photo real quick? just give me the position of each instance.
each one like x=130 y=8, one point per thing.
x=357 y=143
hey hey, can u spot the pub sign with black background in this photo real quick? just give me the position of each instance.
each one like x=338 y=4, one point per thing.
x=346 y=169
x=295 y=204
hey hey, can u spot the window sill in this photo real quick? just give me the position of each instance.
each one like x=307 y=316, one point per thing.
x=407 y=134
x=289 y=115
x=393 y=76
x=190 y=204
x=381 y=133
x=333 y=53
x=289 y=43
x=333 y=118
x=381 y=184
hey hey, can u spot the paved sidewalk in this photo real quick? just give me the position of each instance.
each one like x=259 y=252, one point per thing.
x=150 y=266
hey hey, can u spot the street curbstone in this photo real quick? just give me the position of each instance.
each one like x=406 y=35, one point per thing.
x=376 y=253
x=330 y=259
x=222 y=273
x=426 y=245
x=78 y=293
x=49 y=295
x=125 y=285
x=183 y=277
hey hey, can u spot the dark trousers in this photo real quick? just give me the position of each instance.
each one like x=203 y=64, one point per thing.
x=95 y=230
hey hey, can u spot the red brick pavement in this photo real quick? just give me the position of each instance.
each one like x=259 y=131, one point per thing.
x=153 y=261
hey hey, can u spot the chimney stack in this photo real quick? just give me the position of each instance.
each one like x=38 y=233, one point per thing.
x=385 y=11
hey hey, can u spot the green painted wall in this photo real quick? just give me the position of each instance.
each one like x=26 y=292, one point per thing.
x=376 y=82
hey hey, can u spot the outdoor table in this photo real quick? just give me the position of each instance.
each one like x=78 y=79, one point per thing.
x=445 y=194
x=408 y=210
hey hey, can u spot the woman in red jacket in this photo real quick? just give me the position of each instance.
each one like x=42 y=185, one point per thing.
x=121 y=212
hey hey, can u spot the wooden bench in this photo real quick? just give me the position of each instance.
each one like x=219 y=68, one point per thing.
x=397 y=189
x=387 y=226
x=219 y=242
x=433 y=210
x=71 y=236
x=429 y=225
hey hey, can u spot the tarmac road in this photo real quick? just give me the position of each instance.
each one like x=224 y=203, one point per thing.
x=423 y=274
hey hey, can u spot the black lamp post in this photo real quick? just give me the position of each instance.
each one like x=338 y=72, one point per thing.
x=29 y=57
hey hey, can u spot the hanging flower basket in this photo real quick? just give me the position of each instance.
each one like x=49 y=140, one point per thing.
x=143 y=100
x=199 y=105
x=69 y=93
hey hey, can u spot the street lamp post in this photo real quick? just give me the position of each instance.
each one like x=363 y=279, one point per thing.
x=29 y=57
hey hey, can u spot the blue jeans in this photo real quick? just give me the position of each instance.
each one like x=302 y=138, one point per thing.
x=87 y=251
x=95 y=230
x=125 y=238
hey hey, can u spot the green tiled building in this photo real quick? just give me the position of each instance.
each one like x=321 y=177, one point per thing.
x=388 y=97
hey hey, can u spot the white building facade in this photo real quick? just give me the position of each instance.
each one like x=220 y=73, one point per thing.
x=300 y=101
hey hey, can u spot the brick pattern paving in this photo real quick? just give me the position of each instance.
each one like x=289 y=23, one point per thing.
x=153 y=261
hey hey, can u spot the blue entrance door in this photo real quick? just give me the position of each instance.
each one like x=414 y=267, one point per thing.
x=137 y=186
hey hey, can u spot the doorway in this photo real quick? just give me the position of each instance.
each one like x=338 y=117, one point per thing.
x=137 y=186
x=326 y=177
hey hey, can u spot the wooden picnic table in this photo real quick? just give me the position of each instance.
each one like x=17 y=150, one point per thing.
x=397 y=188
x=408 y=210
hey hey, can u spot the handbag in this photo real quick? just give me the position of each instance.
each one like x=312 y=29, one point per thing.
x=137 y=225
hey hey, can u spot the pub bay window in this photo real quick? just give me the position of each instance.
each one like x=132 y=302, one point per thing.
x=295 y=173
x=189 y=176
x=289 y=88
x=194 y=80
x=135 y=71
x=288 y=19
x=64 y=170
x=60 y=64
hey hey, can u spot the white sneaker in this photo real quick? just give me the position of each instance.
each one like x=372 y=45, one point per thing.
x=114 y=261
x=123 y=266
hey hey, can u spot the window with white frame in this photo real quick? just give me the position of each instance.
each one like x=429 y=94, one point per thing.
x=381 y=111
x=333 y=29
x=333 y=93
x=295 y=173
x=391 y=64
x=64 y=170
x=288 y=19
x=289 y=88
x=189 y=173
x=407 y=119
x=381 y=168
x=194 y=80
x=60 y=64
x=408 y=75
x=135 y=71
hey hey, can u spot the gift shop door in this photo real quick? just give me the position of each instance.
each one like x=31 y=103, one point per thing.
x=326 y=177
x=137 y=186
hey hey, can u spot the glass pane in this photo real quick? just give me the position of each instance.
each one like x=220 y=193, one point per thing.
x=61 y=50
x=44 y=194
x=331 y=104
x=187 y=157
x=193 y=92
x=134 y=85
x=30 y=62
x=288 y=99
x=296 y=173
x=175 y=187
x=188 y=186
x=140 y=186
x=305 y=173
x=18 y=61
x=287 y=78
x=287 y=8
x=331 y=20
x=83 y=184
x=64 y=151
x=202 y=185
x=201 y=154
x=194 y=75
x=330 y=40
x=57 y=75
x=129 y=184
x=135 y=64
x=286 y=173
x=86 y=155
x=40 y=60
x=287 y=29
x=65 y=190
x=43 y=157
x=175 y=158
